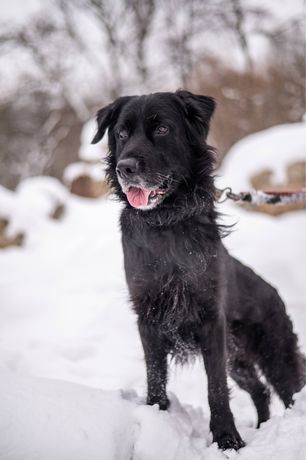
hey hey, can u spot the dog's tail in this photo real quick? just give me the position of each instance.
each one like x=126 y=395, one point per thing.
x=278 y=354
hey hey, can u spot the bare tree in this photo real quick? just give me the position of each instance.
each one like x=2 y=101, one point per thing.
x=86 y=52
x=241 y=20
x=55 y=45
x=252 y=100
x=33 y=133
x=183 y=21
x=143 y=14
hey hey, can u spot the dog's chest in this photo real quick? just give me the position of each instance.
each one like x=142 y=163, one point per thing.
x=159 y=252
x=170 y=276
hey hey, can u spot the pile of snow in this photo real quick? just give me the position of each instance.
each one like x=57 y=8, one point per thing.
x=274 y=148
x=51 y=420
x=65 y=315
x=91 y=156
x=89 y=151
x=95 y=171
x=34 y=200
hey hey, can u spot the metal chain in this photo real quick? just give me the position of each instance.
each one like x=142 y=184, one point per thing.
x=259 y=197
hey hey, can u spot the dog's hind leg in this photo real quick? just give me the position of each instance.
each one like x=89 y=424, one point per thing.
x=245 y=375
x=283 y=365
x=278 y=355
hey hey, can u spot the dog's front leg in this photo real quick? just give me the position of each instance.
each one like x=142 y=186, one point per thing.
x=155 y=351
x=222 y=424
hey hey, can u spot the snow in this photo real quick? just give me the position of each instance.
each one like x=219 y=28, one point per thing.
x=18 y=11
x=89 y=151
x=34 y=200
x=274 y=148
x=48 y=419
x=83 y=423
x=65 y=316
x=94 y=170
x=91 y=156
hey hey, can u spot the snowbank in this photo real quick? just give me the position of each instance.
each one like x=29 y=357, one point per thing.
x=95 y=171
x=45 y=419
x=274 y=148
x=34 y=200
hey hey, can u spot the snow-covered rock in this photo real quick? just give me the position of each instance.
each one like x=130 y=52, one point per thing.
x=273 y=159
x=89 y=151
x=274 y=149
x=27 y=208
x=86 y=179
x=94 y=170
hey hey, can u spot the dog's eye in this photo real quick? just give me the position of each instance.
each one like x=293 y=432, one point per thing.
x=123 y=134
x=161 y=130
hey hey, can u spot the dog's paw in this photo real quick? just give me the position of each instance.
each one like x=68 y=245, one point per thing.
x=229 y=441
x=163 y=403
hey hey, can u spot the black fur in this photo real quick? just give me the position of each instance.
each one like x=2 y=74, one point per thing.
x=189 y=294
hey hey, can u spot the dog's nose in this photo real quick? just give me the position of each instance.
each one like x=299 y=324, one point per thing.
x=127 y=168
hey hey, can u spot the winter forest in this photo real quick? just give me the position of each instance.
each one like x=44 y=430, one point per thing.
x=63 y=61
x=73 y=380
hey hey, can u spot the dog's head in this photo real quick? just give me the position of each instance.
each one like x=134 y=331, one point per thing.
x=154 y=141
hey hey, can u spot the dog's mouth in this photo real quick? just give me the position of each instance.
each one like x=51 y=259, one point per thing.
x=144 y=198
x=145 y=194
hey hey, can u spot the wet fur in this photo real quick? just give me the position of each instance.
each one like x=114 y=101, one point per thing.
x=189 y=294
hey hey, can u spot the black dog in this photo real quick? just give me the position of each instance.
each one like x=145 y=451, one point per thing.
x=189 y=294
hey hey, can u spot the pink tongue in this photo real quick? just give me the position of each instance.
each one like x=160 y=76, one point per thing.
x=138 y=197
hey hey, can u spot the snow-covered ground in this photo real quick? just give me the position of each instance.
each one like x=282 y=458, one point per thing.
x=44 y=419
x=65 y=315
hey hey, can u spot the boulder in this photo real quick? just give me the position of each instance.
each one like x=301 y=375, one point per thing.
x=6 y=240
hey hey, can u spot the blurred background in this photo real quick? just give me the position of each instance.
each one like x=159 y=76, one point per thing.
x=61 y=60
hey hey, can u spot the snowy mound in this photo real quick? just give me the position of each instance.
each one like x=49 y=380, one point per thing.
x=89 y=151
x=45 y=419
x=51 y=420
x=274 y=148
x=33 y=201
x=93 y=170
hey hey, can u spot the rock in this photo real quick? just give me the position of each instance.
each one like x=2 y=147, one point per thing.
x=7 y=241
x=87 y=187
x=3 y=224
x=296 y=173
x=57 y=212
x=87 y=179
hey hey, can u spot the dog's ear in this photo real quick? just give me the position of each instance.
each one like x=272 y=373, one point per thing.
x=108 y=115
x=197 y=109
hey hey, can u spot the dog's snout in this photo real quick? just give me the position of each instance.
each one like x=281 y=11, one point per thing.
x=127 y=168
